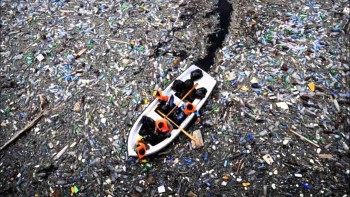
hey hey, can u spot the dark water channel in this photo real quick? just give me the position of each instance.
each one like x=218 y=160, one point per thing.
x=224 y=9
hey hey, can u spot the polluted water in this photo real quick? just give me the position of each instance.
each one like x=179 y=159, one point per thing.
x=76 y=75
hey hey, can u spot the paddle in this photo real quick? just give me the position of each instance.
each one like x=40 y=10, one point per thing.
x=183 y=98
x=181 y=129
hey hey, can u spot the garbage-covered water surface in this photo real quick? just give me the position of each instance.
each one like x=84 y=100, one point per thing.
x=215 y=39
x=75 y=76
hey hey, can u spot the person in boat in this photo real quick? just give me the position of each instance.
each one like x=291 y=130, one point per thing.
x=185 y=110
x=163 y=128
x=154 y=132
x=141 y=148
x=165 y=99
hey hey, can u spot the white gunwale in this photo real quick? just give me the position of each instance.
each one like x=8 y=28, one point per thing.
x=206 y=81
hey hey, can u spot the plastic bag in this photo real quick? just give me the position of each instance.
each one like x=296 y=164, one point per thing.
x=148 y=125
x=192 y=96
x=188 y=85
x=200 y=93
x=153 y=139
x=178 y=85
x=196 y=74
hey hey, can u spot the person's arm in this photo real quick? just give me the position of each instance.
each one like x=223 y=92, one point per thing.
x=183 y=106
x=197 y=115
x=170 y=127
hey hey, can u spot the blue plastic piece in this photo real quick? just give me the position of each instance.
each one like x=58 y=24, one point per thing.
x=187 y=160
x=306 y=186
x=251 y=137
x=207 y=184
x=205 y=156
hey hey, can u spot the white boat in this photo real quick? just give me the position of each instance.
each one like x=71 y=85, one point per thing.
x=206 y=81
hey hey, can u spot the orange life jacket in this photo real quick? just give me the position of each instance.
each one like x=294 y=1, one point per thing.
x=165 y=128
x=188 y=111
x=162 y=97
x=141 y=150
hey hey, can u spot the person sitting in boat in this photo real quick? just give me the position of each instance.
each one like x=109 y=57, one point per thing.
x=163 y=128
x=163 y=99
x=147 y=130
x=186 y=110
x=141 y=148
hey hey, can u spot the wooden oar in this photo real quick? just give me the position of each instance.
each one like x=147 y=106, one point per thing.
x=183 y=98
x=181 y=129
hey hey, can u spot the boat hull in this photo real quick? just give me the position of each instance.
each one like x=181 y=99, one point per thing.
x=206 y=81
